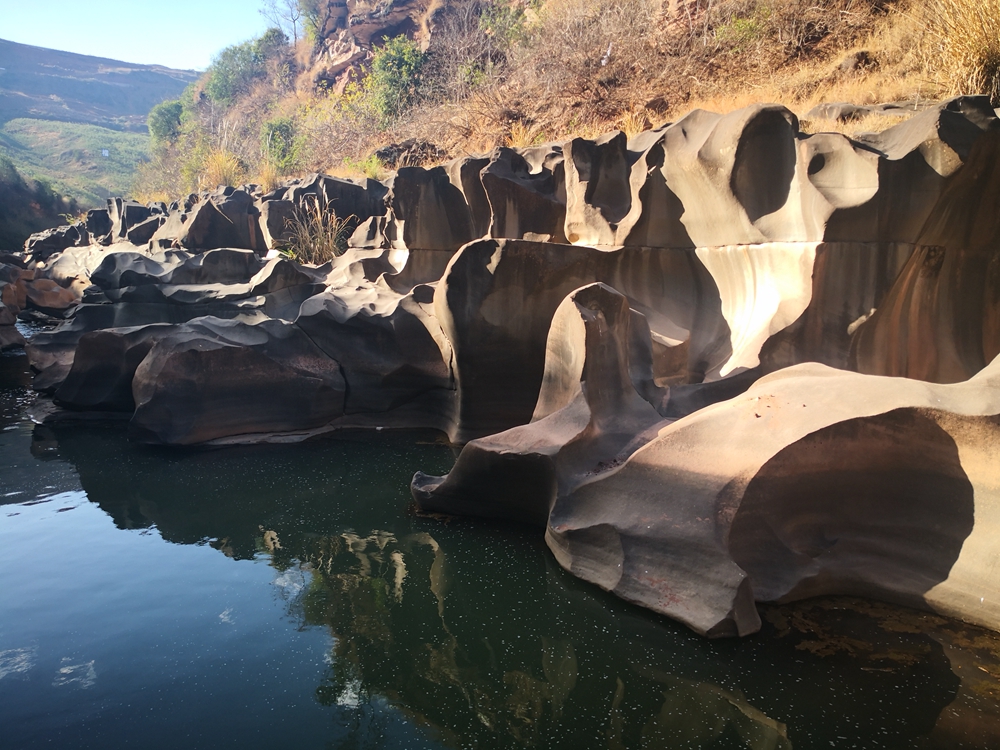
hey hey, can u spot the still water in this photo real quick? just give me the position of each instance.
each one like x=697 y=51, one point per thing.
x=288 y=596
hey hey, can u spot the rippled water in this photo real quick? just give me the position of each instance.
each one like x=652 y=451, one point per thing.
x=287 y=596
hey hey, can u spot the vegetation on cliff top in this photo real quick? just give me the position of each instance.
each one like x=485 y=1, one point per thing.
x=27 y=206
x=475 y=74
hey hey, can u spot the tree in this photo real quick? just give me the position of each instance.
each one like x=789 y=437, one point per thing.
x=235 y=69
x=232 y=72
x=285 y=15
x=164 y=121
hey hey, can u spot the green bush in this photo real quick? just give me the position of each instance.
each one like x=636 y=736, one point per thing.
x=394 y=78
x=280 y=143
x=164 y=121
x=235 y=70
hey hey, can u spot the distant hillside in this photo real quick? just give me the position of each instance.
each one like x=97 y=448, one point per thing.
x=47 y=84
x=87 y=162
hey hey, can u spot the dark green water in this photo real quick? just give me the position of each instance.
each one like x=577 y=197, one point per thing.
x=287 y=596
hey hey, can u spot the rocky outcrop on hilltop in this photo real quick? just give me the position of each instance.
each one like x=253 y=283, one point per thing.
x=350 y=30
x=721 y=362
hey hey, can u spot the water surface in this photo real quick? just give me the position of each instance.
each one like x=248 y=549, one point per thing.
x=288 y=596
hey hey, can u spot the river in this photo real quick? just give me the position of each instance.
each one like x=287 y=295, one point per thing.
x=289 y=596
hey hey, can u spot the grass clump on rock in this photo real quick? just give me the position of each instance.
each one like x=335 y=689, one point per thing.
x=316 y=234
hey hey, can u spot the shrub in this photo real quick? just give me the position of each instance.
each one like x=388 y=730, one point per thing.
x=279 y=143
x=164 y=122
x=371 y=166
x=741 y=32
x=393 y=79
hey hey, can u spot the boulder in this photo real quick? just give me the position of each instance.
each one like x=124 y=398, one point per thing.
x=223 y=266
x=134 y=289
x=50 y=298
x=939 y=321
x=143 y=232
x=10 y=338
x=524 y=203
x=409 y=153
x=361 y=199
x=813 y=482
x=211 y=379
x=42 y=245
x=915 y=162
x=227 y=218
x=392 y=352
x=103 y=366
x=429 y=212
x=497 y=298
x=597 y=188
x=275 y=218
x=598 y=403
x=465 y=174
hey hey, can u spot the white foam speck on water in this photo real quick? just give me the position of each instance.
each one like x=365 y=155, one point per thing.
x=291 y=582
x=350 y=696
x=82 y=675
x=17 y=660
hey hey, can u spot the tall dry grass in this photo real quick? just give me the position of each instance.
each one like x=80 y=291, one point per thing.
x=963 y=45
x=316 y=234
x=221 y=167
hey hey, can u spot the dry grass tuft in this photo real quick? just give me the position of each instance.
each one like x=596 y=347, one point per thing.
x=872 y=123
x=221 y=167
x=633 y=123
x=964 y=45
x=268 y=176
x=317 y=234
x=522 y=135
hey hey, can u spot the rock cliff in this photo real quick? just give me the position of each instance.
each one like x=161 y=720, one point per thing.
x=722 y=362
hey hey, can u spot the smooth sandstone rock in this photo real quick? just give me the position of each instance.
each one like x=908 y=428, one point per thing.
x=562 y=305
x=597 y=404
x=103 y=366
x=10 y=337
x=214 y=378
x=392 y=351
x=815 y=481
x=497 y=299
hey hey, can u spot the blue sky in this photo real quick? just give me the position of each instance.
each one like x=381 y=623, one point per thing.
x=175 y=33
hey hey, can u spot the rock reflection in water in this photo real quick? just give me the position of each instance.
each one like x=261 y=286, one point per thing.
x=476 y=632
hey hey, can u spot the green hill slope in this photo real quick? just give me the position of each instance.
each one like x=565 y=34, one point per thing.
x=88 y=162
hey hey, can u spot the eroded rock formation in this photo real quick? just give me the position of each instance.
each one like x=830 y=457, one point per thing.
x=587 y=318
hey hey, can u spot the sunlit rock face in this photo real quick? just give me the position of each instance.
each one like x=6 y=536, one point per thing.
x=587 y=318
x=815 y=481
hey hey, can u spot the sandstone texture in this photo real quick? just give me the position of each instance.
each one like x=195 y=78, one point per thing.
x=720 y=362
